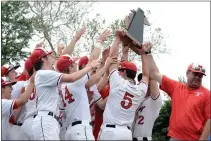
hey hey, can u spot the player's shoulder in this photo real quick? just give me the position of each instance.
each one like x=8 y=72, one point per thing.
x=6 y=102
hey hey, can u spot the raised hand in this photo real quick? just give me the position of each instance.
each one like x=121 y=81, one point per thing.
x=105 y=54
x=103 y=36
x=95 y=63
x=147 y=46
x=110 y=61
x=80 y=33
x=41 y=43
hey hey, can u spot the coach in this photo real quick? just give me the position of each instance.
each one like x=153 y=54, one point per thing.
x=190 y=116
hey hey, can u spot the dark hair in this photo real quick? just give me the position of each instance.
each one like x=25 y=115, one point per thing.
x=38 y=64
x=66 y=70
x=140 y=77
x=80 y=67
x=130 y=74
x=31 y=72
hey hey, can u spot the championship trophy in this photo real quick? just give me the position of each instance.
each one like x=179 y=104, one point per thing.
x=134 y=23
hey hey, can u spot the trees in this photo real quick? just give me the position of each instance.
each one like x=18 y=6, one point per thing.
x=60 y=20
x=16 y=31
x=161 y=124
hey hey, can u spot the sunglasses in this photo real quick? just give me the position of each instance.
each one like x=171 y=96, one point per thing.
x=199 y=69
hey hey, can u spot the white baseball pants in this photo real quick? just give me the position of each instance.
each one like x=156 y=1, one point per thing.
x=79 y=132
x=26 y=129
x=117 y=133
x=45 y=127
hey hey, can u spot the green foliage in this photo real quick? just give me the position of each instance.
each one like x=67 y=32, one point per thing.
x=160 y=128
x=16 y=31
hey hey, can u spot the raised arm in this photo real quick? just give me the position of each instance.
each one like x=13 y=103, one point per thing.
x=96 y=51
x=154 y=72
x=154 y=88
x=69 y=49
x=115 y=48
x=103 y=82
x=79 y=74
x=125 y=50
x=93 y=79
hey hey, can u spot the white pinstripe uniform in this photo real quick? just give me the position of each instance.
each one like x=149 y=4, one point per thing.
x=123 y=100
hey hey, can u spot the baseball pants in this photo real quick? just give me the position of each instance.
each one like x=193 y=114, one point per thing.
x=26 y=129
x=114 y=132
x=80 y=131
x=45 y=127
x=14 y=133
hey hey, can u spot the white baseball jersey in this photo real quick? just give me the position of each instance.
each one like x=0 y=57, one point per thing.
x=17 y=88
x=123 y=100
x=46 y=87
x=75 y=100
x=7 y=111
x=146 y=115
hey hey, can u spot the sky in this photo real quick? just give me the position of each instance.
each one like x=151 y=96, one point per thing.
x=187 y=25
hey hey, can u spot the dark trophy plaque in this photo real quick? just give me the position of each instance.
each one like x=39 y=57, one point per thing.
x=135 y=28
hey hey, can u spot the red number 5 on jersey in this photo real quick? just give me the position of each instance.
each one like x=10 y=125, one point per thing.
x=127 y=97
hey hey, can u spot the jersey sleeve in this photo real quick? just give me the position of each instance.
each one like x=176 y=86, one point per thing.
x=7 y=105
x=143 y=86
x=50 y=78
x=157 y=102
x=168 y=85
x=115 y=79
x=17 y=89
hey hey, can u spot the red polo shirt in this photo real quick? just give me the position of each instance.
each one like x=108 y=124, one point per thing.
x=190 y=109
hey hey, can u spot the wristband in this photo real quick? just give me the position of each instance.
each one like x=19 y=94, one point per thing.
x=148 y=52
x=98 y=44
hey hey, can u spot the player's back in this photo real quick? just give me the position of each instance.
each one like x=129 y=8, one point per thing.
x=123 y=100
x=46 y=87
x=76 y=101
x=146 y=115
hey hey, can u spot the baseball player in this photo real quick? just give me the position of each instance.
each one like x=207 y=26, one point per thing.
x=147 y=112
x=10 y=72
x=75 y=99
x=9 y=105
x=124 y=97
x=29 y=109
x=45 y=124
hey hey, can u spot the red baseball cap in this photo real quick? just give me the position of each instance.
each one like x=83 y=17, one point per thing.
x=64 y=62
x=6 y=81
x=23 y=76
x=28 y=65
x=7 y=68
x=38 y=53
x=128 y=65
x=194 y=67
x=83 y=61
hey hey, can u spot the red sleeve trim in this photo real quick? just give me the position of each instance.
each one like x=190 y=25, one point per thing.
x=14 y=105
x=156 y=97
x=59 y=79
